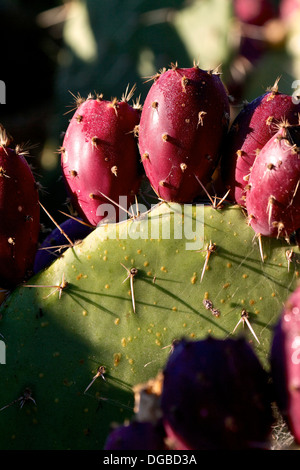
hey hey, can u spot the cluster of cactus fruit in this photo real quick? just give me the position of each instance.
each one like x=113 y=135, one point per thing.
x=213 y=391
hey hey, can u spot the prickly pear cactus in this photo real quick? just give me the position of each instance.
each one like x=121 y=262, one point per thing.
x=100 y=314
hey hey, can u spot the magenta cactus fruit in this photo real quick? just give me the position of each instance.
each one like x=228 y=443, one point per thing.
x=99 y=156
x=256 y=123
x=285 y=363
x=215 y=396
x=273 y=195
x=184 y=119
x=20 y=214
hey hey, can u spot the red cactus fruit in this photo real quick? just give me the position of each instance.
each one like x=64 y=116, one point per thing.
x=216 y=396
x=273 y=193
x=183 y=121
x=254 y=12
x=99 y=156
x=288 y=9
x=19 y=214
x=250 y=131
x=285 y=363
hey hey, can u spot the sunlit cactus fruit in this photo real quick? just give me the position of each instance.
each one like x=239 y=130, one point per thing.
x=99 y=157
x=184 y=119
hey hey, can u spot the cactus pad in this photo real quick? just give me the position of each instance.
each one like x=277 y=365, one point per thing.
x=57 y=337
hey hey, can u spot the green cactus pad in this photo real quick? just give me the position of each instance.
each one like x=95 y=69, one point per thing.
x=57 y=338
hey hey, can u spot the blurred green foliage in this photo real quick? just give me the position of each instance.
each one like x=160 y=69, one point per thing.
x=58 y=48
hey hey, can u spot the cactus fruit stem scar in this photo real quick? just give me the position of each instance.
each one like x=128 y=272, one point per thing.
x=100 y=373
x=131 y=274
x=27 y=395
x=245 y=319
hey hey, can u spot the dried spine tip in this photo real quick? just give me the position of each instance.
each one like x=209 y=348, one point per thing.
x=95 y=140
x=5 y=138
x=79 y=117
x=145 y=156
x=162 y=183
x=280 y=228
x=156 y=76
x=184 y=82
x=114 y=170
x=11 y=240
x=128 y=94
x=269 y=120
x=165 y=137
x=73 y=173
x=183 y=166
x=274 y=89
x=271 y=202
x=155 y=104
x=137 y=104
x=114 y=104
x=174 y=66
x=270 y=166
x=215 y=71
x=92 y=196
x=3 y=172
x=201 y=115
x=250 y=218
x=78 y=99
x=240 y=153
x=136 y=130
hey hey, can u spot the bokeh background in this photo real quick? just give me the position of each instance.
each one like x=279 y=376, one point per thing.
x=55 y=49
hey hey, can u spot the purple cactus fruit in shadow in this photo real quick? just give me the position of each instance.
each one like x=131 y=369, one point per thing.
x=216 y=396
x=56 y=242
x=285 y=363
x=136 y=436
x=19 y=212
